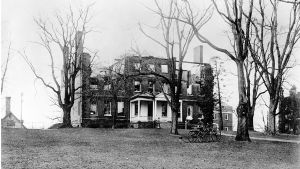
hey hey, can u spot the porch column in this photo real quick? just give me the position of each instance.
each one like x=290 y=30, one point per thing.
x=154 y=109
x=139 y=109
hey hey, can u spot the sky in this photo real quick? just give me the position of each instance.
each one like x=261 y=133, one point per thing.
x=115 y=31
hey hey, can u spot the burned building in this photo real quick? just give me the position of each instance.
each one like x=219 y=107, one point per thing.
x=132 y=91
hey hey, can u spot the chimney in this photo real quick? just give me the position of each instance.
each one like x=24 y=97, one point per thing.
x=7 y=105
x=79 y=42
x=198 y=54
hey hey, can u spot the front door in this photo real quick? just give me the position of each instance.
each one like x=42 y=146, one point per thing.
x=150 y=110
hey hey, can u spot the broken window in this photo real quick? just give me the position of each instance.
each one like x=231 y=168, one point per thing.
x=107 y=108
x=137 y=86
x=137 y=66
x=152 y=67
x=150 y=86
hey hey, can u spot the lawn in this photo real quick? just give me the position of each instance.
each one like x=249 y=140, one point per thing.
x=136 y=148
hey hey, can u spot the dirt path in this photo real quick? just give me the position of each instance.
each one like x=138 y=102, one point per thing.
x=268 y=139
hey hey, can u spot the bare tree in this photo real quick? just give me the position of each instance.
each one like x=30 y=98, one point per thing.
x=65 y=34
x=240 y=33
x=253 y=88
x=218 y=69
x=275 y=49
x=115 y=84
x=4 y=67
x=176 y=40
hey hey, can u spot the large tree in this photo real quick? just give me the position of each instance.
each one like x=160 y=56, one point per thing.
x=240 y=34
x=176 y=37
x=4 y=67
x=275 y=44
x=63 y=39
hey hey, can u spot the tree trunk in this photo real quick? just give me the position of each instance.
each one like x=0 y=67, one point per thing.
x=220 y=105
x=174 y=125
x=67 y=118
x=250 y=119
x=271 y=117
x=242 y=111
x=115 y=109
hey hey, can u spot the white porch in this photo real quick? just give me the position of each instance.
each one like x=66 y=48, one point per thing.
x=149 y=109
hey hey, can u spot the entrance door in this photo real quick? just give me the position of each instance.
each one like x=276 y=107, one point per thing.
x=150 y=110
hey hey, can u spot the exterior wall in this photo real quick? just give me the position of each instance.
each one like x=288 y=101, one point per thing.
x=129 y=67
x=226 y=123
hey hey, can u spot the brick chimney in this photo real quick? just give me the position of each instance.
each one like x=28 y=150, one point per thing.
x=198 y=54
x=7 y=106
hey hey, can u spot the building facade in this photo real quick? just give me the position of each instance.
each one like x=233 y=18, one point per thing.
x=227 y=117
x=140 y=98
x=289 y=113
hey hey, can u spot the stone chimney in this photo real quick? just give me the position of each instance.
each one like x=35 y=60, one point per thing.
x=198 y=54
x=7 y=105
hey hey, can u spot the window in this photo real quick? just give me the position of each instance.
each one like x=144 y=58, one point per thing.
x=226 y=128
x=189 y=110
x=226 y=116
x=121 y=108
x=150 y=86
x=152 y=67
x=94 y=87
x=93 y=109
x=136 y=108
x=137 y=86
x=164 y=111
x=179 y=111
x=164 y=68
x=107 y=108
x=166 y=88
x=107 y=87
x=137 y=66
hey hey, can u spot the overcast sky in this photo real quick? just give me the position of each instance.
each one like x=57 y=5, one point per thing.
x=115 y=25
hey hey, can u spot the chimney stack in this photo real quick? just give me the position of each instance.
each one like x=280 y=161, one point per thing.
x=7 y=105
x=198 y=54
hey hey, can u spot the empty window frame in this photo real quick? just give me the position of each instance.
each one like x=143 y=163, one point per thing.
x=107 y=87
x=137 y=86
x=164 y=69
x=151 y=67
x=107 y=108
x=137 y=66
x=93 y=109
x=150 y=86
x=226 y=116
x=121 y=108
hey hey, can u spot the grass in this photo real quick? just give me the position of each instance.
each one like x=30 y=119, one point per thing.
x=136 y=148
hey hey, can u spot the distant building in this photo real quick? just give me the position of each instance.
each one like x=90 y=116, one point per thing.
x=289 y=113
x=10 y=120
x=227 y=116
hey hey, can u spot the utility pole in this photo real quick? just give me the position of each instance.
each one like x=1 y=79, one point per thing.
x=21 y=109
